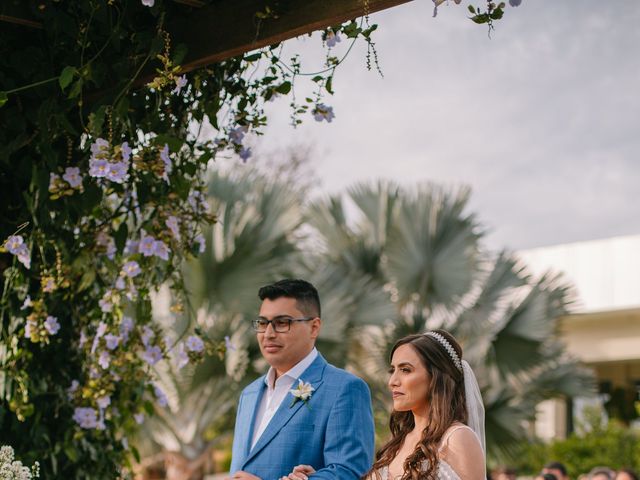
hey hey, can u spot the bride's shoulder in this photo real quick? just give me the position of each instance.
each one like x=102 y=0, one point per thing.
x=462 y=451
x=460 y=437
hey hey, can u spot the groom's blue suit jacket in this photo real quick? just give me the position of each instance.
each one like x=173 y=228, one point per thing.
x=333 y=432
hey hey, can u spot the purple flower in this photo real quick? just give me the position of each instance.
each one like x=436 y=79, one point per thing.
x=181 y=82
x=244 y=153
x=237 y=134
x=126 y=325
x=72 y=389
x=147 y=335
x=323 y=112
x=515 y=3
x=52 y=325
x=29 y=328
x=85 y=417
x=105 y=303
x=331 y=38
x=198 y=202
x=125 y=149
x=98 y=168
x=131 y=269
x=139 y=418
x=99 y=146
x=72 y=176
x=164 y=156
x=160 y=250
x=16 y=246
x=194 y=344
x=104 y=402
x=147 y=245
x=104 y=360
x=173 y=223
x=108 y=243
x=24 y=256
x=120 y=285
x=152 y=355
x=117 y=172
x=162 y=398
x=130 y=247
x=112 y=340
x=14 y=243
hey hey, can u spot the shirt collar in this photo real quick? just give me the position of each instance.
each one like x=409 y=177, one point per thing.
x=295 y=372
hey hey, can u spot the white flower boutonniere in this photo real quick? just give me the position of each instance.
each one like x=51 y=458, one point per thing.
x=302 y=392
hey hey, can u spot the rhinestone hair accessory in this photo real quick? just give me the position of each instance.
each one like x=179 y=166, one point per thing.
x=447 y=346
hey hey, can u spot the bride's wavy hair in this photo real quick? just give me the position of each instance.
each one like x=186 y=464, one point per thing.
x=445 y=403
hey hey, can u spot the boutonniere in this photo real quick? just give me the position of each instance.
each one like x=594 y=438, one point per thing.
x=302 y=392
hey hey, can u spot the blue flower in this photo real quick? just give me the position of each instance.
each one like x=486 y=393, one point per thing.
x=331 y=38
x=52 y=325
x=194 y=344
x=112 y=341
x=323 y=112
x=85 y=417
x=152 y=355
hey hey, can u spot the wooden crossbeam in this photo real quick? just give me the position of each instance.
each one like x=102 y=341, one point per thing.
x=229 y=28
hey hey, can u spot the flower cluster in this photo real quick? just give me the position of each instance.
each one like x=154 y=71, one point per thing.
x=39 y=326
x=12 y=469
x=66 y=185
x=110 y=163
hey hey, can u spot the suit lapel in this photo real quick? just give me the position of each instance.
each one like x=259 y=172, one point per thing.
x=285 y=412
x=253 y=398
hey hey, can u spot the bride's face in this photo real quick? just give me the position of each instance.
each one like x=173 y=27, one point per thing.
x=409 y=380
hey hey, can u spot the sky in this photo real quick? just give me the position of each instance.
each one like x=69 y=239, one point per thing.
x=542 y=120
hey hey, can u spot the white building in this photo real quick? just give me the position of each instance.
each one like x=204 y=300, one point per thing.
x=604 y=327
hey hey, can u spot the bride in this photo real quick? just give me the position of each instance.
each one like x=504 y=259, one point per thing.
x=437 y=422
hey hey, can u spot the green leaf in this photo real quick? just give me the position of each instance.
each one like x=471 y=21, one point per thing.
x=472 y=9
x=66 y=76
x=88 y=277
x=71 y=452
x=76 y=89
x=3 y=98
x=284 y=88
x=253 y=58
x=329 y=84
x=121 y=236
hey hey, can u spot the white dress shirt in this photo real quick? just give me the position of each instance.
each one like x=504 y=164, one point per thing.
x=276 y=392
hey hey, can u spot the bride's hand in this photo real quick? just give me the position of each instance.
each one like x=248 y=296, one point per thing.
x=301 y=472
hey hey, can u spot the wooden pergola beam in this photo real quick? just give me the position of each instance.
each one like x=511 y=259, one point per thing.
x=228 y=28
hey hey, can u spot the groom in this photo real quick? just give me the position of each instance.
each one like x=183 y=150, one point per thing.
x=304 y=411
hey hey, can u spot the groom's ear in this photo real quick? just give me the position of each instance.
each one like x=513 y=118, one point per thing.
x=316 y=326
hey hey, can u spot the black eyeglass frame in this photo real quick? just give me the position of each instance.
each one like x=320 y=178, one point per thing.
x=289 y=320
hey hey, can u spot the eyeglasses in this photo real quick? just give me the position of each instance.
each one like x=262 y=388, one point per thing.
x=279 y=324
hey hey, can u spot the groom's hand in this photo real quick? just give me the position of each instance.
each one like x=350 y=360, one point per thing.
x=301 y=472
x=242 y=476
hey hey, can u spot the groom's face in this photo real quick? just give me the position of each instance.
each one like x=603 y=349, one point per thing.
x=283 y=350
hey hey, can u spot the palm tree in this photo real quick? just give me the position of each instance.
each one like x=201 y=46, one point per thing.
x=422 y=251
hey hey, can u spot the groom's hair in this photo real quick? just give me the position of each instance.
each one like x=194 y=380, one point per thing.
x=306 y=295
